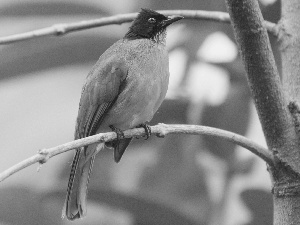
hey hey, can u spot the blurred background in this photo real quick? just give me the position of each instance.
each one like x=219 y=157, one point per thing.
x=176 y=180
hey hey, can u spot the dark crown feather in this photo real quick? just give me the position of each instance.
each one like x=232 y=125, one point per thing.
x=141 y=28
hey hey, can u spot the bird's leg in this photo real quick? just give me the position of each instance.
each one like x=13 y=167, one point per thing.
x=119 y=132
x=120 y=135
x=147 y=129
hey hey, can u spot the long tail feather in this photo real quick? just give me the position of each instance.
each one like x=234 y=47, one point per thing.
x=75 y=204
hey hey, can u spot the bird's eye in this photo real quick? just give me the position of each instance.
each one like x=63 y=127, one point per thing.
x=151 y=20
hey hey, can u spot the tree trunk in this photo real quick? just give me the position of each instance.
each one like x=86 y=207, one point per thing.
x=275 y=101
x=287 y=186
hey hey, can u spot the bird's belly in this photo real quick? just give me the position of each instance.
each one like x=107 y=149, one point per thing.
x=138 y=102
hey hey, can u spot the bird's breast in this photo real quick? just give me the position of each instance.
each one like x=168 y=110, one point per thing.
x=145 y=88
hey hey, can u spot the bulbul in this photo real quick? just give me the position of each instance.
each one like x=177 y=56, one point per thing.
x=123 y=90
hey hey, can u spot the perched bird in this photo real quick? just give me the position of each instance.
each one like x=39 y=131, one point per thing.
x=123 y=90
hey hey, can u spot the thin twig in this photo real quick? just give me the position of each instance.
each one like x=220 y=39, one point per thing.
x=160 y=130
x=64 y=28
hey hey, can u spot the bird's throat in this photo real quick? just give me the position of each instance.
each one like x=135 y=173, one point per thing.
x=160 y=38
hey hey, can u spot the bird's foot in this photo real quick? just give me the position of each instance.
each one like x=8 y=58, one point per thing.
x=147 y=129
x=119 y=132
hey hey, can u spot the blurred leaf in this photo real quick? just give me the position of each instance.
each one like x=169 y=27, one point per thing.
x=144 y=210
x=20 y=206
x=260 y=204
x=176 y=178
x=172 y=111
x=232 y=115
x=47 y=53
x=243 y=167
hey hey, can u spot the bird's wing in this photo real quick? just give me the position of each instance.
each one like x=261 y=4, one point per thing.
x=104 y=83
x=99 y=93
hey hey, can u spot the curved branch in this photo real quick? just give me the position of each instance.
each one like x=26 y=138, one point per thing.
x=160 y=130
x=64 y=28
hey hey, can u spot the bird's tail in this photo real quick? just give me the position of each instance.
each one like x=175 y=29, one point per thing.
x=75 y=204
x=120 y=147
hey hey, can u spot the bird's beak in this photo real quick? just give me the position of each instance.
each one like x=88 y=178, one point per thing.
x=170 y=20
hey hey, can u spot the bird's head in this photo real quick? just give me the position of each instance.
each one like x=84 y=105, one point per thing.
x=150 y=24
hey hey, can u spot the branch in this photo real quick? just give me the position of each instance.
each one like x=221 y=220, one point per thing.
x=160 y=130
x=61 y=29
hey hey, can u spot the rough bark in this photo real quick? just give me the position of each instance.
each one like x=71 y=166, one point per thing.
x=287 y=183
x=264 y=80
x=289 y=36
x=278 y=123
x=286 y=210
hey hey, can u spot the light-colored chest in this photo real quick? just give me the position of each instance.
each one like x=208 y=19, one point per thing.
x=145 y=89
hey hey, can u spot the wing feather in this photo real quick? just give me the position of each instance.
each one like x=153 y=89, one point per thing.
x=100 y=92
x=98 y=95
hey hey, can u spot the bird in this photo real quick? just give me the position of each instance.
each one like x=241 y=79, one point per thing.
x=123 y=90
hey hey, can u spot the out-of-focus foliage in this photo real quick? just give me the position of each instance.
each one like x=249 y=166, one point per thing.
x=176 y=180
